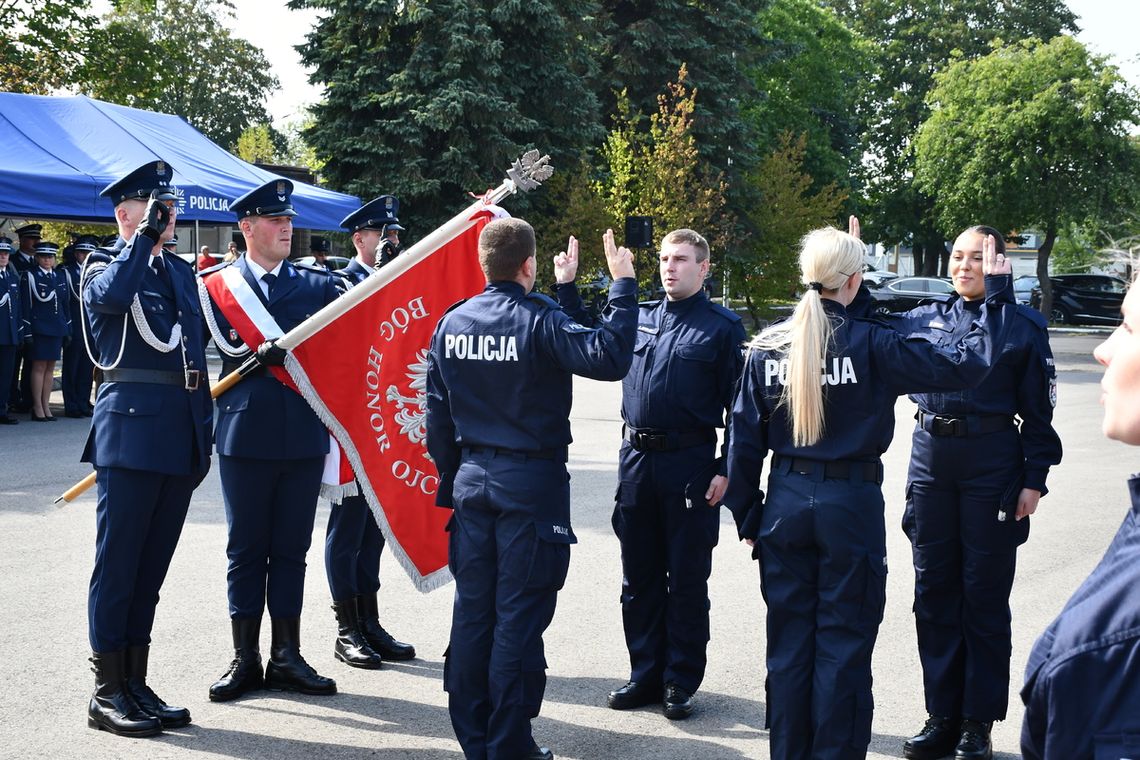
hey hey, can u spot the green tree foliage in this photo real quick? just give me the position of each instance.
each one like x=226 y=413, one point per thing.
x=177 y=56
x=41 y=43
x=767 y=269
x=434 y=99
x=915 y=39
x=1034 y=135
x=258 y=146
x=811 y=83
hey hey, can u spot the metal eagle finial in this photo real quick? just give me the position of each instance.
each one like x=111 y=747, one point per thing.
x=529 y=171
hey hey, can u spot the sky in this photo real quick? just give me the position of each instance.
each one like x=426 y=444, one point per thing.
x=1108 y=27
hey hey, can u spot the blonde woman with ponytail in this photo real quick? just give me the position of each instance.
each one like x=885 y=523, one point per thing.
x=818 y=392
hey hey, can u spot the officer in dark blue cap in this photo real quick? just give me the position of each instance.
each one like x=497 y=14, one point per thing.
x=149 y=439
x=379 y=215
x=77 y=366
x=667 y=517
x=499 y=388
x=28 y=235
x=11 y=327
x=353 y=541
x=271 y=445
x=820 y=534
x=320 y=247
x=23 y=260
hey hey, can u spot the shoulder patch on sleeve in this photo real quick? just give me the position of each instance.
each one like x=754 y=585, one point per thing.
x=571 y=326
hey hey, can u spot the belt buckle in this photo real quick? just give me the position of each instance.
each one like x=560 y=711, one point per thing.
x=946 y=425
x=193 y=378
x=643 y=441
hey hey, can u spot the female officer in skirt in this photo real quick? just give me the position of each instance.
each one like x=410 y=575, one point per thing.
x=820 y=536
x=47 y=324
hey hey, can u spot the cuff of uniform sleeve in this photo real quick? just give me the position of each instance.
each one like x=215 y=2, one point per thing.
x=999 y=288
x=625 y=286
x=1035 y=479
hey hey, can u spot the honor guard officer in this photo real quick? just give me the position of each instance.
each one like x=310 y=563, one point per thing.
x=498 y=403
x=820 y=536
x=77 y=366
x=47 y=325
x=24 y=260
x=685 y=366
x=319 y=247
x=353 y=541
x=11 y=326
x=149 y=440
x=1082 y=681
x=271 y=445
x=378 y=215
x=975 y=477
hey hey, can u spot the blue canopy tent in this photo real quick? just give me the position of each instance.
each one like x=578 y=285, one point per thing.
x=57 y=153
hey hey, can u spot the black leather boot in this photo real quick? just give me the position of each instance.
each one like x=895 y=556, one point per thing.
x=351 y=648
x=244 y=674
x=937 y=739
x=112 y=708
x=287 y=669
x=974 y=743
x=380 y=640
x=151 y=704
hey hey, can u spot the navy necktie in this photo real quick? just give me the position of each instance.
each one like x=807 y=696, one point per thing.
x=160 y=269
x=269 y=279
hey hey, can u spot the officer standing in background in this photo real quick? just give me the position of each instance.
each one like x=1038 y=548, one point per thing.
x=47 y=326
x=11 y=327
x=23 y=260
x=271 y=449
x=149 y=440
x=499 y=389
x=686 y=362
x=353 y=541
x=319 y=247
x=390 y=229
x=77 y=367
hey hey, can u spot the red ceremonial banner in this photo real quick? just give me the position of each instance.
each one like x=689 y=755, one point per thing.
x=365 y=374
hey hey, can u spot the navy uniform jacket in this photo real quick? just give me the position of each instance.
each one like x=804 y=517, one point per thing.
x=1082 y=682
x=146 y=426
x=686 y=360
x=52 y=317
x=11 y=311
x=23 y=262
x=868 y=367
x=261 y=417
x=500 y=371
x=1022 y=382
x=354 y=272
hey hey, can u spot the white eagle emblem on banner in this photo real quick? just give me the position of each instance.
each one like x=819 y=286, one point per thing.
x=411 y=414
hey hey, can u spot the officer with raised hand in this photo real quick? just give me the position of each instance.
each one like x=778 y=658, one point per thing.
x=353 y=541
x=77 y=366
x=271 y=445
x=149 y=440
x=11 y=327
x=686 y=362
x=499 y=387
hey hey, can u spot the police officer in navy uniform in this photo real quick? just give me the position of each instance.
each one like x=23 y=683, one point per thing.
x=47 y=325
x=271 y=449
x=1082 y=680
x=24 y=260
x=77 y=367
x=820 y=535
x=319 y=247
x=149 y=440
x=11 y=326
x=685 y=366
x=977 y=470
x=498 y=402
x=353 y=541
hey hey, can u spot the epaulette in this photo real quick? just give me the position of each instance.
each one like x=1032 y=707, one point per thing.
x=546 y=301
x=728 y=314
x=215 y=268
x=1034 y=316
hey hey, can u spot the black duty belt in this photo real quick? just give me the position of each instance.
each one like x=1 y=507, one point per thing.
x=553 y=455
x=839 y=469
x=667 y=440
x=962 y=427
x=189 y=380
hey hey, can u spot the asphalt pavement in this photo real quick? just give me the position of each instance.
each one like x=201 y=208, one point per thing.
x=400 y=711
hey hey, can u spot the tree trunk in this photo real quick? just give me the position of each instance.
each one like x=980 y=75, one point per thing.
x=1043 y=268
x=917 y=257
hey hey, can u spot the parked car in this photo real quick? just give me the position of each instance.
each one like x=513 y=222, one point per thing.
x=1084 y=299
x=875 y=277
x=903 y=293
x=332 y=262
x=1023 y=288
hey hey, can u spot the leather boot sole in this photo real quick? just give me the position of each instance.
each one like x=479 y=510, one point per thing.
x=117 y=731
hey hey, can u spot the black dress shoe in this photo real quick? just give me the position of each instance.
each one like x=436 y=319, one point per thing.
x=937 y=739
x=147 y=700
x=634 y=694
x=51 y=418
x=245 y=673
x=974 y=743
x=37 y=418
x=539 y=753
x=678 y=703
x=381 y=642
x=6 y=420
x=287 y=669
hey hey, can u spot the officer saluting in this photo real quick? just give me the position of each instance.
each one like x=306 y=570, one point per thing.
x=499 y=379
x=11 y=327
x=149 y=440
x=353 y=541
x=271 y=446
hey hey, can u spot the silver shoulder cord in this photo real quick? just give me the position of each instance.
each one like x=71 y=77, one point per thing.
x=137 y=315
x=33 y=292
x=221 y=341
